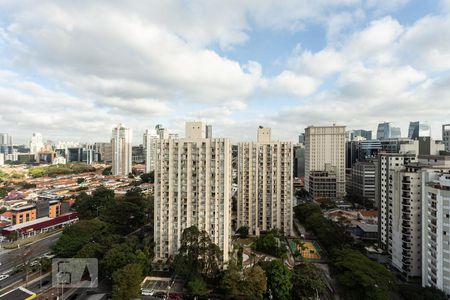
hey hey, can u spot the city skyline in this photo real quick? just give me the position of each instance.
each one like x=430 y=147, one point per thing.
x=233 y=65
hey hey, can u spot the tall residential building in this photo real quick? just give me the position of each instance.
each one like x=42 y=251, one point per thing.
x=325 y=146
x=418 y=129
x=446 y=136
x=265 y=184
x=399 y=197
x=2 y=159
x=36 y=144
x=299 y=160
x=150 y=138
x=121 y=150
x=6 y=139
x=192 y=188
x=436 y=231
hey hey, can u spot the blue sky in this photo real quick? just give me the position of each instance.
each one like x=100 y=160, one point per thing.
x=71 y=70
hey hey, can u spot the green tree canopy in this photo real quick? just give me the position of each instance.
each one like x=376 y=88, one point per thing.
x=361 y=277
x=147 y=177
x=271 y=243
x=279 y=279
x=198 y=255
x=126 y=282
x=307 y=282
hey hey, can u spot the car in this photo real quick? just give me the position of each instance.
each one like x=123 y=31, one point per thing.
x=160 y=295
x=3 y=276
x=174 y=295
x=146 y=292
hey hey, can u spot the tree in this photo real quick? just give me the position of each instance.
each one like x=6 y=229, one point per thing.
x=421 y=293
x=126 y=282
x=107 y=171
x=243 y=232
x=255 y=282
x=198 y=255
x=123 y=217
x=76 y=236
x=118 y=257
x=361 y=277
x=80 y=180
x=90 y=206
x=197 y=286
x=279 y=279
x=307 y=282
x=148 y=177
x=272 y=244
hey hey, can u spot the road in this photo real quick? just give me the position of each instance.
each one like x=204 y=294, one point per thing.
x=15 y=257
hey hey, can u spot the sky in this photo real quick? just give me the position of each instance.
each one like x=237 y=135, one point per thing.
x=71 y=70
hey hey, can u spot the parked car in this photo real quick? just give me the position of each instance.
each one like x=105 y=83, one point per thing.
x=3 y=276
x=160 y=295
x=175 y=296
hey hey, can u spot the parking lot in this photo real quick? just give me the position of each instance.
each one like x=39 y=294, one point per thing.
x=158 y=288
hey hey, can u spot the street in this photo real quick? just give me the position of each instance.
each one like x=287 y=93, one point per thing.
x=12 y=258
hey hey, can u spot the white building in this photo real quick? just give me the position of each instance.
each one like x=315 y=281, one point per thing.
x=192 y=188
x=325 y=146
x=265 y=189
x=121 y=150
x=399 y=196
x=2 y=159
x=150 y=137
x=36 y=144
x=436 y=231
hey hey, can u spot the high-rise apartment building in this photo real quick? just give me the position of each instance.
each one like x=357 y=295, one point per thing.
x=418 y=129
x=6 y=139
x=121 y=150
x=192 y=188
x=436 y=231
x=150 y=137
x=325 y=146
x=265 y=184
x=36 y=145
x=446 y=136
x=399 y=197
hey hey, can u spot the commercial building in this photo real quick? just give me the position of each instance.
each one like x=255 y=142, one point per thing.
x=322 y=184
x=36 y=144
x=265 y=189
x=359 y=133
x=418 y=129
x=325 y=146
x=436 y=231
x=105 y=152
x=149 y=142
x=121 y=150
x=299 y=160
x=362 y=183
x=387 y=131
x=446 y=136
x=192 y=188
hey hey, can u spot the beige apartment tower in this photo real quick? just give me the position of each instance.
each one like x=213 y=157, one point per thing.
x=325 y=148
x=265 y=184
x=192 y=187
x=121 y=150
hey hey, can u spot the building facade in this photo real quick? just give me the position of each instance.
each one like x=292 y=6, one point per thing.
x=418 y=129
x=446 y=136
x=192 y=188
x=265 y=187
x=121 y=150
x=436 y=231
x=325 y=146
x=36 y=144
x=363 y=181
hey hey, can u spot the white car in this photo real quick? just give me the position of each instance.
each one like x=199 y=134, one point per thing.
x=3 y=276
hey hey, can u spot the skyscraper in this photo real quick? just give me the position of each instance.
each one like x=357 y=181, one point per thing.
x=36 y=145
x=418 y=129
x=325 y=150
x=150 y=138
x=192 y=187
x=265 y=184
x=121 y=150
x=446 y=136
x=386 y=131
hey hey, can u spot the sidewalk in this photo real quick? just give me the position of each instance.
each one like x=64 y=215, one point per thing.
x=29 y=240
